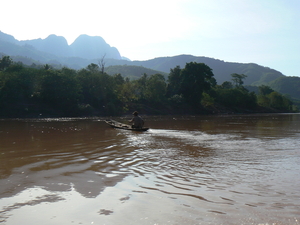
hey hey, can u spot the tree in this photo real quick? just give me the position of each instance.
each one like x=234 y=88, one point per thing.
x=47 y=67
x=265 y=90
x=207 y=100
x=101 y=63
x=236 y=97
x=118 y=79
x=196 y=78
x=17 y=86
x=93 y=67
x=278 y=101
x=173 y=87
x=5 y=62
x=127 y=93
x=139 y=87
x=155 y=88
x=227 y=85
x=263 y=100
x=99 y=89
x=60 y=90
x=238 y=79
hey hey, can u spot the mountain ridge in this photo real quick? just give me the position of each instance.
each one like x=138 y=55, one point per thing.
x=84 y=46
x=54 y=50
x=221 y=69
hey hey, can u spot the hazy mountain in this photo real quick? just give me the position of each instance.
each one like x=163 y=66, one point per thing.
x=86 y=50
x=56 y=45
x=132 y=72
x=7 y=38
x=13 y=48
x=93 y=47
x=57 y=48
x=222 y=70
x=256 y=74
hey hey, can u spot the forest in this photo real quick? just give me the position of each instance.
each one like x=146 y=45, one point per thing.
x=42 y=91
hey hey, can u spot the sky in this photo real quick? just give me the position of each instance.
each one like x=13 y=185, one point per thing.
x=266 y=32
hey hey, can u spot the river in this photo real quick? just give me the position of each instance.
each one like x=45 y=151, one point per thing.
x=226 y=169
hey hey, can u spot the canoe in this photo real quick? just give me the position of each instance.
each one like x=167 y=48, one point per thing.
x=116 y=124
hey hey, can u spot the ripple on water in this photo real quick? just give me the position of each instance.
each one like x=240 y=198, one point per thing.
x=156 y=177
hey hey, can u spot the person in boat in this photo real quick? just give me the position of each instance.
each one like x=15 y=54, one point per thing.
x=137 y=121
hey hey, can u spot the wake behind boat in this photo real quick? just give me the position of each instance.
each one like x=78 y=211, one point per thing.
x=116 y=124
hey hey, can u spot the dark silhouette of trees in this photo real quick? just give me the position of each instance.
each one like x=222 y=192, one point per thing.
x=267 y=97
x=238 y=79
x=156 y=89
x=236 y=98
x=235 y=95
x=173 y=87
x=42 y=90
x=5 y=62
x=98 y=89
x=61 y=90
x=190 y=83
x=195 y=79
x=265 y=90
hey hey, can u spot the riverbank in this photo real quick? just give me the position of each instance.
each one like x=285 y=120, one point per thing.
x=48 y=112
x=44 y=111
x=216 y=109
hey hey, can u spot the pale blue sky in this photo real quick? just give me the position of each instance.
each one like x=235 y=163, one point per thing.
x=266 y=32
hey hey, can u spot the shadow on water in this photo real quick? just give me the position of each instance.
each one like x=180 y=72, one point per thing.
x=57 y=155
x=87 y=157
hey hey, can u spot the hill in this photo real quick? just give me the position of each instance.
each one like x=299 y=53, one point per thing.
x=86 y=49
x=287 y=85
x=256 y=75
x=132 y=72
x=222 y=70
x=54 y=50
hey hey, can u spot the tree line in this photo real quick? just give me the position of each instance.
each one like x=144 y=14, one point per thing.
x=32 y=91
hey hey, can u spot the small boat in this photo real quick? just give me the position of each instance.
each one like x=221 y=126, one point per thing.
x=116 y=124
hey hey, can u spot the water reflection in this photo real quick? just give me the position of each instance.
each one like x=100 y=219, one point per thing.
x=189 y=170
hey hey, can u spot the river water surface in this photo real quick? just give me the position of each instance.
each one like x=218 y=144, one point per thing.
x=240 y=169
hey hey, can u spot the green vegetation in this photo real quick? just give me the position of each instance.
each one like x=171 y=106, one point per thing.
x=47 y=92
x=290 y=86
x=132 y=72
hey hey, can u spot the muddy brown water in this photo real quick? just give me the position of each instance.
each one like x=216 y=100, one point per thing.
x=233 y=169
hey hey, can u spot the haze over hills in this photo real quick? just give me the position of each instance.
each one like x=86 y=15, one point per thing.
x=222 y=70
x=54 y=50
x=84 y=46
